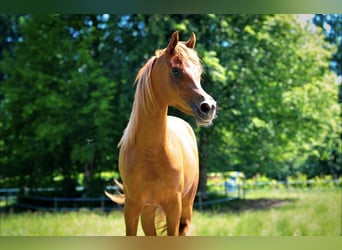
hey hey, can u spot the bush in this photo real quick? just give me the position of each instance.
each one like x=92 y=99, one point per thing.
x=216 y=182
x=322 y=181
x=297 y=181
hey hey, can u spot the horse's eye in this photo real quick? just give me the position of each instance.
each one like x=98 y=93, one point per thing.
x=176 y=72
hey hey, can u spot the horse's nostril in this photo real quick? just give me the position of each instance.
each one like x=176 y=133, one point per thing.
x=205 y=107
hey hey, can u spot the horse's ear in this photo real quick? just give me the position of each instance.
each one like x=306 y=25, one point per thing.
x=191 y=42
x=173 y=42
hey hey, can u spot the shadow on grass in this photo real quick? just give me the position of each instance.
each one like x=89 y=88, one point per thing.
x=242 y=205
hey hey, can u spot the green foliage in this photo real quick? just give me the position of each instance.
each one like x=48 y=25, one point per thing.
x=325 y=181
x=298 y=181
x=262 y=182
x=332 y=28
x=66 y=93
x=216 y=182
x=58 y=111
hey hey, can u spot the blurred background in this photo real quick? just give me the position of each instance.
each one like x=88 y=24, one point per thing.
x=66 y=95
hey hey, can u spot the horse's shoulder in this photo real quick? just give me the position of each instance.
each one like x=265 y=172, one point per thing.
x=179 y=126
x=174 y=120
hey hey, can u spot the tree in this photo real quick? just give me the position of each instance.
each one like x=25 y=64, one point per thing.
x=271 y=60
x=331 y=24
x=57 y=106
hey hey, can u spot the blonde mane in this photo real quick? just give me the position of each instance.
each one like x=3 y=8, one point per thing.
x=144 y=100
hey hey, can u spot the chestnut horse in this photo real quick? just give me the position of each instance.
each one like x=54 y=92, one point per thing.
x=158 y=160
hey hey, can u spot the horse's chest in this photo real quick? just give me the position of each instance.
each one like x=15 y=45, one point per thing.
x=153 y=169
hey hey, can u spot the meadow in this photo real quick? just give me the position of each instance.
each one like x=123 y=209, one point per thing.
x=296 y=212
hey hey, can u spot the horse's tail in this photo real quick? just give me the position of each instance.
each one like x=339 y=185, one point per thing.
x=117 y=198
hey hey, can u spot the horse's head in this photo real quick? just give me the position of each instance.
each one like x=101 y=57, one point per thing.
x=176 y=80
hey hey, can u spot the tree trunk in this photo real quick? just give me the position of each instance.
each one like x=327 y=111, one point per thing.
x=88 y=177
x=202 y=188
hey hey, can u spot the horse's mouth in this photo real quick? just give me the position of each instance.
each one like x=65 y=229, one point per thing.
x=203 y=115
x=203 y=118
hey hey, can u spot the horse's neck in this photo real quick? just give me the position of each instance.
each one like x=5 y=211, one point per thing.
x=151 y=129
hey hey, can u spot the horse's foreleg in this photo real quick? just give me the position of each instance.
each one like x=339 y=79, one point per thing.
x=131 y=212
x=185 y=221
x=173 y=214
x=147 y=220
x=187 y=206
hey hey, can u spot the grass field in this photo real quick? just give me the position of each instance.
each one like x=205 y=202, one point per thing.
x=263 y=213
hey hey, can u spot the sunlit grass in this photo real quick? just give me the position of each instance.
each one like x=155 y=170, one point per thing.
x=297 y=212
x=302 y=212
x=58 y=224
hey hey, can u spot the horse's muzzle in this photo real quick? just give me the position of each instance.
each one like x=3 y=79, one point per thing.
x=205 y=111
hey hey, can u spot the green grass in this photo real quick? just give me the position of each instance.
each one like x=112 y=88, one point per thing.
x=62 y=224
x=263 y=213
x=277 y=213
